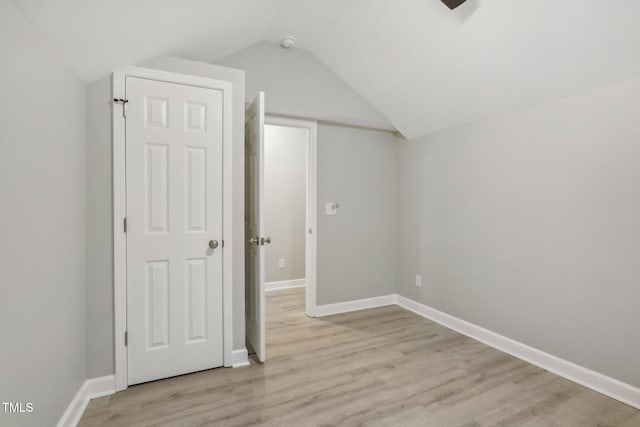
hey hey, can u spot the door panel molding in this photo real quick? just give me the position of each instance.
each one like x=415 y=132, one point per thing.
x=119 y=205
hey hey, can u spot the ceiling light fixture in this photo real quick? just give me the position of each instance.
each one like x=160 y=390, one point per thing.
x=288 y=42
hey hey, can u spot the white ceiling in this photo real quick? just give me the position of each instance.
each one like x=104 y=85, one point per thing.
x=422 y=66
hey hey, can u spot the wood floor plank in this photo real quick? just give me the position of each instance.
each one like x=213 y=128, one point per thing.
x=378 y=367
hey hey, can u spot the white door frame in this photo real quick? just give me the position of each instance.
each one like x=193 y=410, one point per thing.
x=119 y=210
x=312 y=203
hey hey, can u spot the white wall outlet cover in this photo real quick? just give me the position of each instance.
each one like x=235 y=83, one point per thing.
x=418 y=280
x=331 y=208
x=281 y=263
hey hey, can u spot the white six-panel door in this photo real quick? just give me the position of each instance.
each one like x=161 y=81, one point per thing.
x=174 y=140
x=254 y=226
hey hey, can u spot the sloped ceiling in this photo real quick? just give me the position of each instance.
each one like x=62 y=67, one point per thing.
x=297 y=84
x=421 y=65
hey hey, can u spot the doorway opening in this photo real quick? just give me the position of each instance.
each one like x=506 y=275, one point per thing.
x=280 y=215
x=290 y=206
x=285 y=153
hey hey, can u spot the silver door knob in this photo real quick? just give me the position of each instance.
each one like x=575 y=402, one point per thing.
x=213 y=244
x=254 y=241
x=265 y=240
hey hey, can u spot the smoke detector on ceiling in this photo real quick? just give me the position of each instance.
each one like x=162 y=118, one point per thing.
x=288 y=42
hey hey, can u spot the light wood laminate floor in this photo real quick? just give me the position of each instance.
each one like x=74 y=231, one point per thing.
x=379 y=367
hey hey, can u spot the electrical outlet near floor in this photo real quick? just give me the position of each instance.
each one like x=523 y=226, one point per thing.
x=418 y=280
x=281 y=263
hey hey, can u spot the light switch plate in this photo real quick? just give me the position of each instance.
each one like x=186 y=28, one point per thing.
x=331 y=208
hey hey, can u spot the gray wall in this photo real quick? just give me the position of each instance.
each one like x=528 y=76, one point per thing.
x=43 y=205
x=99 y=294
x=99 y=302
x=285 y=188
x=356 y=247
x=528 y=224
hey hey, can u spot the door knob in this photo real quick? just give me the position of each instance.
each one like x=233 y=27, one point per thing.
x=254 y=241
x=265 y=240
x=213 y=244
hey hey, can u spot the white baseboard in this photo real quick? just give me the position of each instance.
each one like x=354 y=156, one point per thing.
x=361 y=304
x=285 y=284
x=90 y=389
x=601 y=383
x=626 y=393
x=105 y=386
x=240 y=358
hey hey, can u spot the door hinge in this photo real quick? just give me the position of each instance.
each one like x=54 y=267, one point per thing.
x=124 y=105
x=126 y=338
x=310 y=231
x=125 y=224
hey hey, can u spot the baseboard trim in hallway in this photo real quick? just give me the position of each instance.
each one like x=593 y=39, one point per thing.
x=285 y=284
